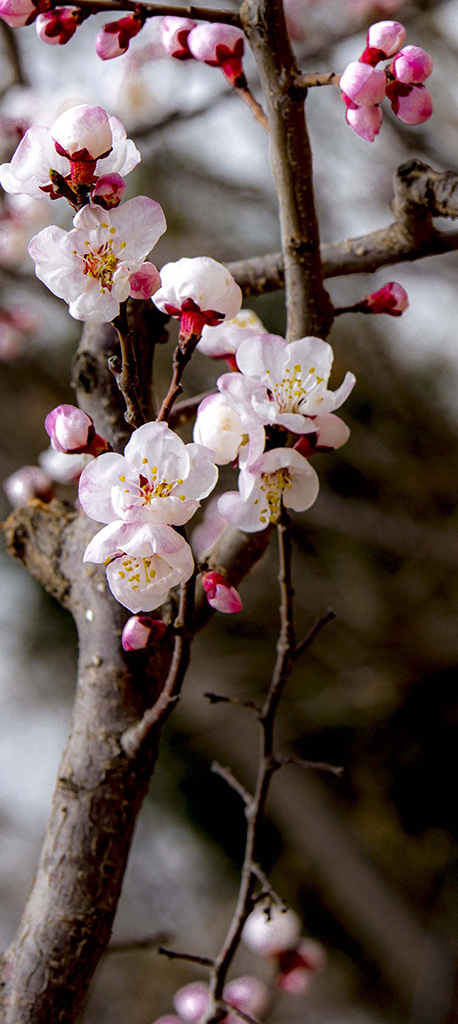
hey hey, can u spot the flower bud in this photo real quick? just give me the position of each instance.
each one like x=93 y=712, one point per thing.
x=174 y=34
x=219 y=428
x=363 y=84
x=28 y=482
x=56 y=27
x=412 y=104
x=224 y=598
x=297 y=966
x=270 y=936
x=191 y=1001
x=145 y=282
x=140 y=631
x=383 y=40
x=108 y=191
x=220 y=46
x=17 y=13
x=330 y=433
x=391 y=299
x=412 y=65
x=197 y=291
x=365 y=121
x=83 y=135
x=69 y=429
x=113 y=39
x=248 y=994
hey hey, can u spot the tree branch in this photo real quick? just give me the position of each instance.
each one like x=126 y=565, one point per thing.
x=151 y=10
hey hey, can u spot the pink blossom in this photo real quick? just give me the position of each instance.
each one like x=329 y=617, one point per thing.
x=270 y=930
x=114 y=37
x=330 y=433
x=391 y=299
x=17 y=13
x=288 y=382
x=174 y=34
x=412 y=104
x=56 y=27
x=72 y=431
x=157 y=482
x=248 y=994
x=383 y=40
x=209 y=529
x=220 y=428
x=220 y=46
x=90 y=267
x=363 y=84
x=298 y=966
x=279 y=477
x=365 y=121
x=191 y=1001
x=28 y=172
x=108 y=191
x=197 y=291
x=224 y=598
x=140 y=631
x=28 y=482
x=412 y=65
x=145 y=282
x=82 y=133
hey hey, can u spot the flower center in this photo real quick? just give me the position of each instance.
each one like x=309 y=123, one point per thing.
x=101 y=264
x=273 y=485
x=154 y=486
x=294 y=387
x=137 y=571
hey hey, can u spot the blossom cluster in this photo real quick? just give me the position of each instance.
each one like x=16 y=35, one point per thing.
x=270 y=416
x=364 y=86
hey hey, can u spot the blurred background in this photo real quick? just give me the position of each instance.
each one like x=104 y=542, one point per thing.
x=368 y=860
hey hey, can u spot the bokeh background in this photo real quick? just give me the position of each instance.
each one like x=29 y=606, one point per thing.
x=368 y=859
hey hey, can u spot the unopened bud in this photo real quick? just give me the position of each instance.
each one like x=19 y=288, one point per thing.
x=391 y=299
x=28 y=482
x=72 y=431
x=83 y=135
x=56 y=27
x=330 y=433
x=365 y=121
x=113 y=39
x=220 y=46
x=248 y=994
x=17 y=13
x=145 y=282
x=108 y=191
x=383 y=40
x=298 y=965
x=412 y=65
x=140 y=631
x=174 y=34
x=269 y=932
x=220 y=595
x=363 y=84
x=412 y=104
x=191 y=1002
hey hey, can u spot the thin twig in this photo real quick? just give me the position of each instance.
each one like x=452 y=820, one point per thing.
x=318 y=766
x=204 y=961
x=217 y=698
x=226 y=774
x=137 y=736
x=303 y=82
x=315 y=630
x=268 y=889
x=125 y=370
x=150 y=10
x=127 y=946
x=256 y=109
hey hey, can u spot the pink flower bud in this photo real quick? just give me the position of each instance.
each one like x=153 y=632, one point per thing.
x=113 y=39
x=383 y=40
x=365 y=121
x=140 y=631
x=108 y=191
x=219 y=46
x=69 y=429
x=248 y=994
x=412 y=65
x=363 y=84
x=191 y=1001
x=220 y=594
x=298 y=965
x=174 y=33
x=391 y=299
x=17 y=13
x=56 y=27
x=197 y=291
x=83 y=135
x=268 y=937
x=412 y=104
x=145 y=282
x=330 y=433
x=28 y=482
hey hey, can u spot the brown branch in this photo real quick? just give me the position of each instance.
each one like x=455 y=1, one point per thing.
x=151 y=10
x=309 y=310
x=311 y=81
x=226 y=774
x=421 y=193
x=204 y=961
x=315 y=630
x=256 y=109
x=126 y=370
